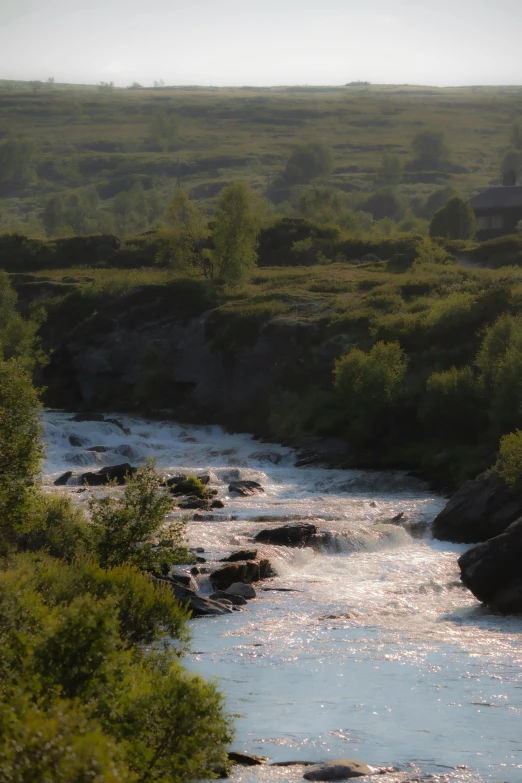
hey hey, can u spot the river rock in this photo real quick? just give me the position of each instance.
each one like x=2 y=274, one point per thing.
x=245 y=488
x=175 y=481
x=120 y=426
x=241 y=554
x=247 y=571
x=98 y=449
x=296 y=534
x=62 y=480
x=199 y=605
x=338 y=769
x=241 y=589
x=88 y=417
x=217 y=504
x=246 y=759
x=492 y=570
x=481 y=509
x=118 y=473
x=193 y=502
x=234 y=598
x=76 y=441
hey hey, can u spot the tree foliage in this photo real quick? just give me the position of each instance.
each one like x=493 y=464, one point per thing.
x=185 y=245
x=371 y=379
x=390 y=172
x=164 y=130
x=509 y=463
x=454 y=221
x=430 y=147
x=308 y=161
x=235 y=231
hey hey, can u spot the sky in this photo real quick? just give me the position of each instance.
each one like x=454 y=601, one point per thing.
x=267 y=42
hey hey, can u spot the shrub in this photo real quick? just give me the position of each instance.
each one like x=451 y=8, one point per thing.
x=385 y=203
x=235 y=232
x=308 y=161
x=499 y=361
x=454 y=221
x=429 y=252
x=20 y=449
x=128 y=527
x=58 y=528
x=451 y=403
x=373 y=378
x=509 y=463
x=192 y=486
x=430 y=147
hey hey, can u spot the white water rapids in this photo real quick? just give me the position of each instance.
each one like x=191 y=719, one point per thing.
x=374 y=652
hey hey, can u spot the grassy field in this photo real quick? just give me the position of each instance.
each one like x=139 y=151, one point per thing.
x=86 y=137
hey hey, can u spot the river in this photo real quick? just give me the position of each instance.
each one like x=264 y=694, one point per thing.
x=373 y=650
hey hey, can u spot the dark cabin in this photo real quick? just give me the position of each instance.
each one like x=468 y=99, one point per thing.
x=498 y=210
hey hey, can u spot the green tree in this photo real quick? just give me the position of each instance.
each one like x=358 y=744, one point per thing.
x=54 y=216
x=129 y=527
x=164 y=130
x=499 y=361
x=429 y=252
x=509 y=463
x=17 y=164
x=371 y=380
x=235 y=231
x=451 y=404
x=184 y=247
x=308 y=161
x=454 y=221
x=430 y=147
x=385 y=203
x=390 y=171
x=20 y=449
x=512 y=161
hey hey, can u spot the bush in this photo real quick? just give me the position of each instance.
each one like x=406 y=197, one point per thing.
x=58 y=528
x=509 y=463
x=454 y=221
x=20 y=450
x=308 y=161
x=430 y=147
x=385 y=203
x=429 y=252
x=451 y=404
x=128 y=528
x=499 y=361
x=192 y=486
x=371 y=379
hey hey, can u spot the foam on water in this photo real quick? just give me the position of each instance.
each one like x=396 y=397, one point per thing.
x=374 y=650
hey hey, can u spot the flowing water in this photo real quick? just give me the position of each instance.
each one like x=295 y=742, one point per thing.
x=369 y=648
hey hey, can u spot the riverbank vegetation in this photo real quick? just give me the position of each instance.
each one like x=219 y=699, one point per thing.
x=91 y=684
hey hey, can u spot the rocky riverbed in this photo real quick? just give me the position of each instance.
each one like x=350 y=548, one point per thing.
x=365 y=645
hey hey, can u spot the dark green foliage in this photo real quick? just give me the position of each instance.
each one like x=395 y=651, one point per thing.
x=509 y=463
x=192 y=486
x=164 y=130
x=58 y=528
x=371 y=378
x=17 y=335
x=235 y=232
x=454 y=221
x=452 y=404
x=385 y=203
x=390 y=171
x=511 y=161
x=17 y=159
x=516 y=135
x=128 y=527
x=65 y=638
x=308 y=161
x=20 y=449
x=430 y=147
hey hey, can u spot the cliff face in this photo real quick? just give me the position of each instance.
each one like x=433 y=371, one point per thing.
x=145 y=351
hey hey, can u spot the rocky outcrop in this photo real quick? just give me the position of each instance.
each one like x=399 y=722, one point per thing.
x=199 y=605
x=338 y=769
x=241 y=554
x=296 y=534
x=247 y=571
x=245 y=759
x=492 y=570
x=481 y=509
x=227 y=597
x=245 y=488
x=242 y=590
x=117 y=473
x=62 y=480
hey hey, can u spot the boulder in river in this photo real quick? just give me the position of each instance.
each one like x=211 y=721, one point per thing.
x=338 y=769
x=241 y=554
x=62 y=480
x=492 y=570
x=245 y=759
x=246 y=571
x=199 y=605
x=118 y=473
x=98 y=449
x=480 y=509
x=78 y=442
x=245 y=488
x=241 y=589
x=233 y=598
x=297 y=534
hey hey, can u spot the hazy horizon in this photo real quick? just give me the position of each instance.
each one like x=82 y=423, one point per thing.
x=282 y=43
